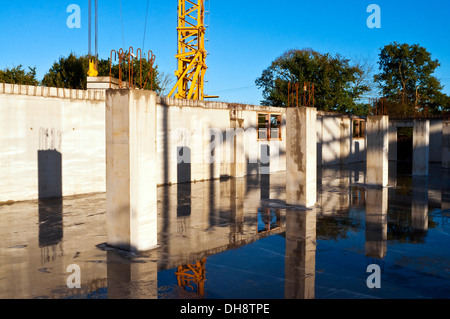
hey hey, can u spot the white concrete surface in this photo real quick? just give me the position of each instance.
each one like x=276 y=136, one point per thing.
x=131 y=183
x=377 y=163
x=301 y=156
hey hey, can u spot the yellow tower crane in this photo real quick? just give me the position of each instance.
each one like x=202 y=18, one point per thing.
x=191 y=53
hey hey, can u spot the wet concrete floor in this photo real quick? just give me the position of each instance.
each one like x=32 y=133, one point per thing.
x=237 y=239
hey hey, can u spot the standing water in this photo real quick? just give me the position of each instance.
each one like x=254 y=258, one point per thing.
x=237 y=239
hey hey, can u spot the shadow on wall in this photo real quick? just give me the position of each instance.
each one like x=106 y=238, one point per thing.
x=265 y=171
x=184 y=181
x=50 y=198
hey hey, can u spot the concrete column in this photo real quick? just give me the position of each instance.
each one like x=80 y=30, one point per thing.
x=419 y=205
x=300 y=264
x=376 y=222
x=377 y=163
x=392 y=142
x=131 y=195
x=421 y=146
x=301 y=156
x=345 y=140
x=446 y=144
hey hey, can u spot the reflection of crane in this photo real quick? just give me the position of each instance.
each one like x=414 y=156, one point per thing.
x=193 y=276
x=191 y=54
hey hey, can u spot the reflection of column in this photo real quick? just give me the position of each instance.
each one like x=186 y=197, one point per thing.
x=419 y=209
x=301 y=156
x=377 y=162
x=421 y=146
x=131 y=280
x=300 y=254
x=237 y=193
x=376 y=222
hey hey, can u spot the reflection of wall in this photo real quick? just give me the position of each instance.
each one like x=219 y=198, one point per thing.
x=300 y=264
x=336 y=198
x=222 y=216
x=34 y=257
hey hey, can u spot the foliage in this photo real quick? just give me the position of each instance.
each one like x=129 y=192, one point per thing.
x=17 y=75
x=71 y=72
x=337 y=83
x=406 y=80
x=68 y=72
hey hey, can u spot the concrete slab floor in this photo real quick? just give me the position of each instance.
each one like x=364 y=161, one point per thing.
x=237 y=239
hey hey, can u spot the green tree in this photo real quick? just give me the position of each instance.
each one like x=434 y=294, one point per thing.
x=68 y=72
x=71 y=72
x=406 y=79
x=337 y=83
x=17 y=75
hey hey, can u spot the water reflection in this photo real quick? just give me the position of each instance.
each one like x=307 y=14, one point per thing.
x=419 y=209
x=192 y=277
x=300 y=266
x=240 y=240
x=376 y=222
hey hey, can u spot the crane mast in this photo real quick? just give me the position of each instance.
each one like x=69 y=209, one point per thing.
x=191 y=55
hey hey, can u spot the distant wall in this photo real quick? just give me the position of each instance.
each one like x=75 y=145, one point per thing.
x=435 y=147
x=336 y=145
x=190 y=126
x=53 y=141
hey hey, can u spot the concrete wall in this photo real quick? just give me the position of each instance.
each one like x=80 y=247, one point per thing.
x=53 y=141
x=335 y=142
x=189 y=129
x=435 y=139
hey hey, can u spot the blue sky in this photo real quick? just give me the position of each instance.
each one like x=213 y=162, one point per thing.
x=244 y=36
